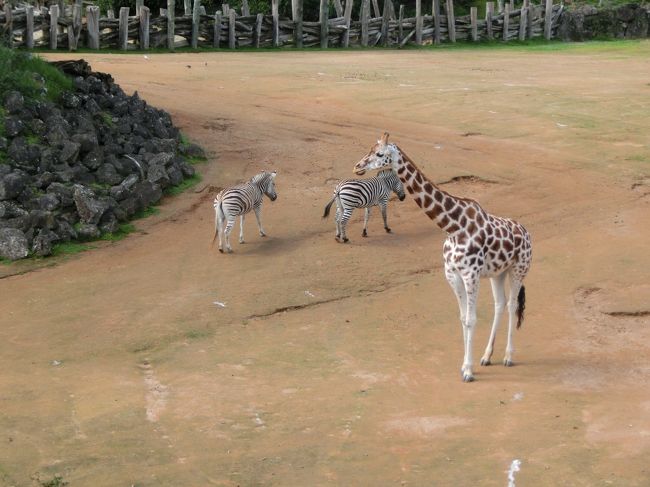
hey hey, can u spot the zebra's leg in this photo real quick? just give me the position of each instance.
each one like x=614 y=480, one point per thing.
x=345 y=217
x=499 y=305
x=241 y=229
x=229 y=226
x=365 y=223
x=220 y=222
x=384 y=215
x=337 y=219
x=258 y=216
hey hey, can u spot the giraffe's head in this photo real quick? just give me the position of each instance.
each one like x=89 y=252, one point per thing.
x=381 y=156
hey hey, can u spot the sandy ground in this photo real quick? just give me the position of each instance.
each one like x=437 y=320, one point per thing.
x=339 y=364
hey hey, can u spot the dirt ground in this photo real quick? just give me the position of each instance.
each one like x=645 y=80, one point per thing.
x=339 y=364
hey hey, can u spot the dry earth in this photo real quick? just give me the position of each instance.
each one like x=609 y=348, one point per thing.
x=339 y=364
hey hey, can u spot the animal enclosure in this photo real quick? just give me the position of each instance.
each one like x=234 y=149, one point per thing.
x=70 y=27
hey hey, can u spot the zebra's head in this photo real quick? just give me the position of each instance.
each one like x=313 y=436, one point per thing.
x=392 y=181
x=382 y=155
x=266 y=182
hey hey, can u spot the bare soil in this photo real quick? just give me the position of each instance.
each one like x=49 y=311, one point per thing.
x=337 y=364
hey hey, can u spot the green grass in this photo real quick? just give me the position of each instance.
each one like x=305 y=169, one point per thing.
x=147 y=212
x=107 y=118
x=118 y=235
x=185 y=185
x=19 y=71
x=70 y=248
x=196 y=160
x=57 y=481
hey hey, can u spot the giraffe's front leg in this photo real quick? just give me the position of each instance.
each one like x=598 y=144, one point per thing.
x=241 y=229
x=458 y=287
x=471 y=288
x=258 y=217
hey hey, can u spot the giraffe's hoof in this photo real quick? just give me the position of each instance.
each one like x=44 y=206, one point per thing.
x=262 y=234
x=388 y=230
x=364 y=234
x=241 y=242
x=507 y=362
x=346 y=240
x=468 y=378
x=221 y=250
x=485 y=362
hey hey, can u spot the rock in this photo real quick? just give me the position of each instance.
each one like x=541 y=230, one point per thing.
x=125 y=188
x=192 y=150
x=14 y=126
x=38 y=127
x=157 y=174
x=65 y=230
x=64 y=194
x=69 y=151
x=107 y=174
x=86 y=141
x=42 y=219
x=175 y=175
x=70 y=100
x=88 y=231
x=89 y=207
x=24 y=155
x=13 y=244
x=48 y=202
x=43 y=242
x=14 y=102
x=56 y=134
x=187 y=169
x=43 y=180
x=3 y=143
x=12 y=185
x=109 y=224
x=94 y=159
x=160 y=159
x=147 y=193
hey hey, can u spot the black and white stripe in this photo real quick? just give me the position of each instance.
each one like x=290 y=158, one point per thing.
x=363 y=193
x=239 y=200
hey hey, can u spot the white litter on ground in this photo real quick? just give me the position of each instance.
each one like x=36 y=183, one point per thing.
x=518 y=396
x=220 y=304
x=405 y=85
x=437 y=147
x=561 y=125
x=310 y=294
x=146 y=57
x=56 y=363
x=515 y=466
x=492 y=111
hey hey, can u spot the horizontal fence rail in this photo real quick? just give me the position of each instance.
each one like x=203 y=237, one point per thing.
x=73 y=26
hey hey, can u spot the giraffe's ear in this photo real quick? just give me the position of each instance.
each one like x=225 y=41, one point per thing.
x=384 y=138
x=274 y=174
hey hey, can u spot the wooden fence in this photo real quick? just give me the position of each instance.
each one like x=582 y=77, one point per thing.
x=66 y=27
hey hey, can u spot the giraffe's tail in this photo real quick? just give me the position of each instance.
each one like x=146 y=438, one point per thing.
x=521 y=306
x=326 y=213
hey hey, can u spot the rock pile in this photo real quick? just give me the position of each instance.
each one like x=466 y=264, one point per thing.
x=587 y=22
x=76 y=169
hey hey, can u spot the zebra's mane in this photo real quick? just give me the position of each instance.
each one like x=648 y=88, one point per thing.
x=261 y=178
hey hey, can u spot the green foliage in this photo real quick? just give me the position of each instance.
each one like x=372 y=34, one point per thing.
x=121 y=232
x=147 y=212
x=186 y=184
x=69 y=248
x=29 y=74
x=57 y=481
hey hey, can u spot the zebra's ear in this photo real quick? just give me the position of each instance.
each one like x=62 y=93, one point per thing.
x=274 y=174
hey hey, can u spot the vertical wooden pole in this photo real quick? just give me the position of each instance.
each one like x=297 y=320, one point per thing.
x=385 y=19
x=216 y=39
x=226 y=10
x=530 y=17
x=110 y=13
x=171 y=24
x=196 y=18
x=348 y=20
x=451 y=21
x=489 y=12
x=276 y=22
x=9 y=25
x=92 y=24
x=138 y=5
x=54 y=26
x=499 y=6
x=338 y=8
x=436 y=21
x=473 y=14
x=324 y=25
x=294 y=13
x=245 y=9
x=375 y=6
x=512 y=6
x=74 y=27
x=365 y=15
x=123 y=39
x=187 y=7
x=145 y=17
x=548 y=13
x=29 y=28
x=258 y=29
x=400 y=26
x=232 y=39
x=506 y=21
x=418 y=22
x=523 y=21
x=298 y=23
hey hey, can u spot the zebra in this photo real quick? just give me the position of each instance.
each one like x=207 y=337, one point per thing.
x=239 y=200
x=363 y=193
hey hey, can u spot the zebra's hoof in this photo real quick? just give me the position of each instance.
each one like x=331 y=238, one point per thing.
x=388 y=230
x=507 y=362
x=346 y=240
x=221 y=251
x=364 y=234
x=485 y=362
x=262 y=234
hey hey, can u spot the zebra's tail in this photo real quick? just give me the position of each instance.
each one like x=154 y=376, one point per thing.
x=329 y=206
x=219 y=216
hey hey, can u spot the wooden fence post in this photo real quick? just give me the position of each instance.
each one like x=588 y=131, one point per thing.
x=196 y=18
x=171 y=24
x=226 y=10
x=506 y=21
x=375 y=6
x=217 y=29
x=512 y=6
x=400 y=26
x=548 y=13
x=110 y=13
x=473 y=14
x=523 y=21
x=365 y=14
x=123 y=39
x=348 y=20
x=29 y=28
x=232 y=39
x=258 y=29
x=499 y=6
x=74 y=27
x=276 y=22
x=451 y=21
x=324 y=25
x=418 y=22
x=297 y=32
x=54 y=26
x=530 y=17
x=187 y=7
x=9 y=25
x=145 y=16
x=338 y=8
x=92 y=24
x=436 y=21
x=245 y=9
x=294 y=13
x=385 y=19
x=489 y=12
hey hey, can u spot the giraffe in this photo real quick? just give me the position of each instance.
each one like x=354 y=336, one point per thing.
x=478 y=245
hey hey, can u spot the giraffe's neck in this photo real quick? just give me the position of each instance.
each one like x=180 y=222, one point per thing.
x=444 y=209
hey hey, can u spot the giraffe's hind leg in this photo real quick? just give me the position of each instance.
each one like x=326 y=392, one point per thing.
x=498 y=284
